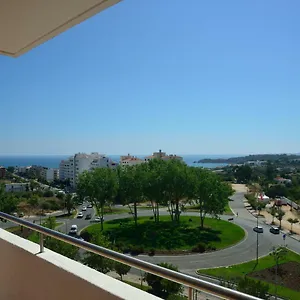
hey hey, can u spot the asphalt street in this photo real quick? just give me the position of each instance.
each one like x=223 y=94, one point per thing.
x=242 y=252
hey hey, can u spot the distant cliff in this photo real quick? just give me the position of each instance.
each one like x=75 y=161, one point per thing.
x=255 y=157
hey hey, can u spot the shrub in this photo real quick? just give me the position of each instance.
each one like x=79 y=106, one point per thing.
x=53 y=205
x=86 y=236
x=48 y=194
x=201 y=247
x=210 y=247
x=136 y=250
x=151 y=252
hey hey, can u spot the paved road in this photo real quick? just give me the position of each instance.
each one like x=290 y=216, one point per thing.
x=244 y=251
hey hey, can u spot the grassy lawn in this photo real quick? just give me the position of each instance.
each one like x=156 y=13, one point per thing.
x=138 y=285
x=167 y=235
x=114 y=211
x=238 y=271
x=195 y=208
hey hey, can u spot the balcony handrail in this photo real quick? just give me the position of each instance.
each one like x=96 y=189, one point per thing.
x=187 y=280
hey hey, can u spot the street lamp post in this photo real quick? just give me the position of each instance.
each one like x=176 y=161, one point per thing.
x=257 y=239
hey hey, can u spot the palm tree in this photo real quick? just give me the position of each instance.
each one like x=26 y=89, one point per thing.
x=292 y=222
x=280 y=215
x=273 y=212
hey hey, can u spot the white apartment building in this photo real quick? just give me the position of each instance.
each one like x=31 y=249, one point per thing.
x=129 y=160
x=103 y=162
x=163 y=156
x=80 y=162
x=50 y=174
x=16 y=187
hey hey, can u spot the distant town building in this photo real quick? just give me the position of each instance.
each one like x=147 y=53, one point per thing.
x=129 y=160
x=283 y=180
x=163 y=156
x=22 y=170
x=50 y=174
x=256 y=163
x=80 y=162
x=16 y=187
x=2 y=172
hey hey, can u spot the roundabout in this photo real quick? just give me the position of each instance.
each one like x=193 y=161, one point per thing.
x=169 y=237
x=243 y=251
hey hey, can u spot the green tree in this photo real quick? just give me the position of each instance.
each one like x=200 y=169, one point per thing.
x=292 y=222
x=101 y=186
x=69 y=203
x=154 y=184
x=270 y=171
x=98 y=262
x=131 y=187
x=50 y=223
x=33 y=185
x=279 y=255
x=162 y=287
x=121 y=269
x=243 y=174
x=8 y=201
x=277 y=190
x=273 y=212
x=177 y=184
x=10 y=169
x=280 y=214
x=209 y=193
x=48 y=194
x=254 y=288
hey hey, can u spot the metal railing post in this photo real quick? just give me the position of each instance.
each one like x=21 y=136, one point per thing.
x=190 y=297
x=41 y=242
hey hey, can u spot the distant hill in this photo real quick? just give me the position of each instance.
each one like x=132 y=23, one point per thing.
x=253 y=157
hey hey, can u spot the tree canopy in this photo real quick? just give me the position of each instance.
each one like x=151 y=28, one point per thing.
x=170 y=183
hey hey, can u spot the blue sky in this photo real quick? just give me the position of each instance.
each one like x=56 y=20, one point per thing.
x=205 y=77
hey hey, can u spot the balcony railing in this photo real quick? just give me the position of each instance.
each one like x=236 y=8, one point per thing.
x=186 y=280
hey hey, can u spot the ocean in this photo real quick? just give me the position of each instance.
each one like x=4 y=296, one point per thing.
x=52 y=161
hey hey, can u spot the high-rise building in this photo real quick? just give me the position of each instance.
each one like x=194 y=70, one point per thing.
x=80 y=162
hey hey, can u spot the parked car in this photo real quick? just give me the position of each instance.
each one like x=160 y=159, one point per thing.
x=274 y=230
x=73 y=229
x=88 y=216
x=90 y=206
x=258 y=229
x=83 y=208
x=80 y=215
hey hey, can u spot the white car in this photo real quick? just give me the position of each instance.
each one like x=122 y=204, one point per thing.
x=83 y=208
x=80 y=215
x=98 y=219
x=73 y=229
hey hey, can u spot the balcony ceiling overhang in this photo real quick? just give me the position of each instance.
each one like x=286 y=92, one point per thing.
x=25 y=24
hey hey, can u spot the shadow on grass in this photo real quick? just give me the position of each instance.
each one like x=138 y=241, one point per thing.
x=161 y=236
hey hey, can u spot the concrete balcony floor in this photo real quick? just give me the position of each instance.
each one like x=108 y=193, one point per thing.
x=28 y=274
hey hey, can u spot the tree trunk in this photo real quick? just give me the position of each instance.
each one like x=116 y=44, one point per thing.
x=153 y=210
x=157 y=212
x=202 y=221
x=202 y=217
x=135 y=213
x=102 y=213
x=177 y=213
x=121 y=277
